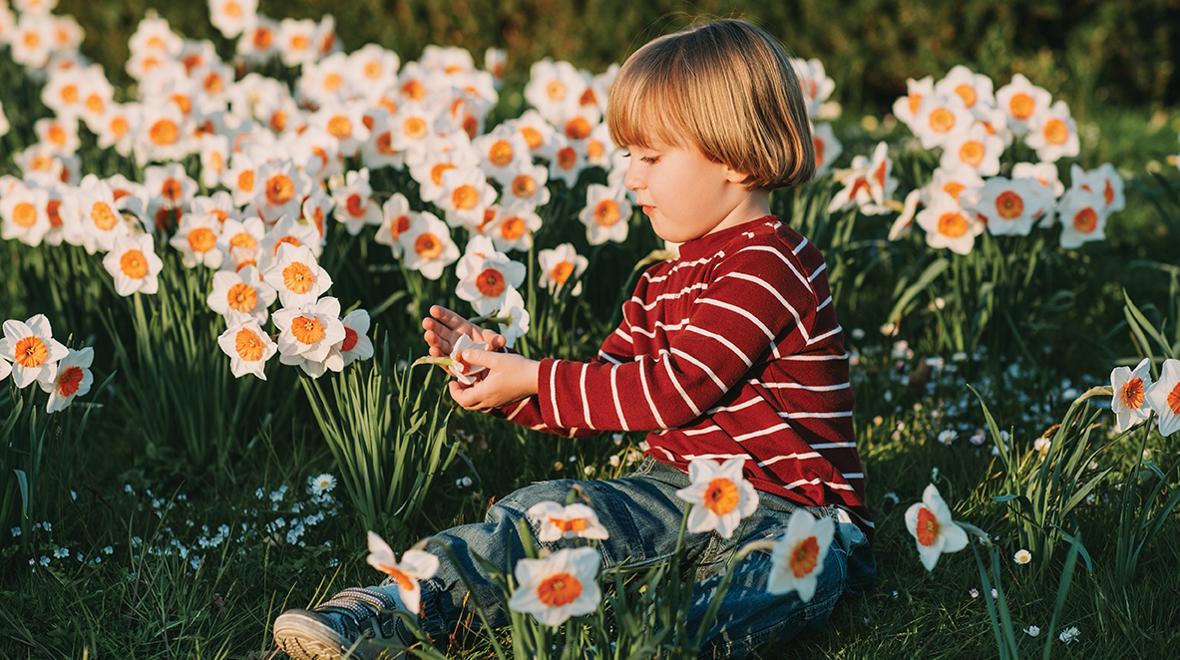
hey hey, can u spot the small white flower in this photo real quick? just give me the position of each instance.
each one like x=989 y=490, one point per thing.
x=1032 y=631
x=1041 y=445
x=1022 y=557
x=321 y=484
x=1069 y=635
x=948 y=436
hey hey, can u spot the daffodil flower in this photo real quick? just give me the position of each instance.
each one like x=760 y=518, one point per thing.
x=416 y=565
x=73 y=379
x=296 y=276
x=1164 y=397
x=571 y=521
x=1129 y=386
x=932 y=527
x=558 y=587
x=32 y=350
x=798 y=556
x=720 y=496
x=248 y=347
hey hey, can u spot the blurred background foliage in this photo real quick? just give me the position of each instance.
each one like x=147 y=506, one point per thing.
x=1094 y=53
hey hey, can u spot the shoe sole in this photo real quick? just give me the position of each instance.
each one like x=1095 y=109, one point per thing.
x=302 y=637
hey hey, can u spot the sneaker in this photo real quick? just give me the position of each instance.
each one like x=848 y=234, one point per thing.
x=357 y=622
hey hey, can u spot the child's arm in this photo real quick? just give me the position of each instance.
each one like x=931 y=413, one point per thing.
x=760 y=299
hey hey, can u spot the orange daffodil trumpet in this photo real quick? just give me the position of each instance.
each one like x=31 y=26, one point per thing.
x=555 y=522
x=415 y=566
x=557 y=587
x=798 y=556
x=307 y=335
x=296 y=276
x=720 y=495
x=1130 y=404
x=933 y=529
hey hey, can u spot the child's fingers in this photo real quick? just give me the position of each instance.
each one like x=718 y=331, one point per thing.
x=449 y=318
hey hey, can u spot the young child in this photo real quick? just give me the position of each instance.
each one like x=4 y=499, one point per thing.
x=730 y=350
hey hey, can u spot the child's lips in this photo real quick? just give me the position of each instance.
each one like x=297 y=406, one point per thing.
x=647 y=208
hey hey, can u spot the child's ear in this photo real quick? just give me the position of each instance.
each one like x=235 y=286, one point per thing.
x=734 y=176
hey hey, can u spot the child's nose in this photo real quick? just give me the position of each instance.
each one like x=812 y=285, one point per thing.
x=632 y=180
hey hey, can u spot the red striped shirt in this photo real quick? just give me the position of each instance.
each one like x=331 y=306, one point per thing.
x=730 y=350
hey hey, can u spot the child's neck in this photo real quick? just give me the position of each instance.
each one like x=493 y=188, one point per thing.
x=753 y=206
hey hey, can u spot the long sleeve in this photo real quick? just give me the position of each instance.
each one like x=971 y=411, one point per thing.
x=758 y=299
x=618 y=347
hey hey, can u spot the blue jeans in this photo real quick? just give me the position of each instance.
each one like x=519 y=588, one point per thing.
x=642 y=514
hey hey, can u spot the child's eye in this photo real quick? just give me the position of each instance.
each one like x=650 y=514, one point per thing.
x=626 y=153
x=650 y=159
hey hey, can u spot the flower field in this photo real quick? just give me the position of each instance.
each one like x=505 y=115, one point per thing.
x=216 y=402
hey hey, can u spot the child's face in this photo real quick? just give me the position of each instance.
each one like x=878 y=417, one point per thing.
x=683 y=193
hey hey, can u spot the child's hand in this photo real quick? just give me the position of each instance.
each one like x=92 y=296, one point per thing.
x=508 y=378
x=444 y=327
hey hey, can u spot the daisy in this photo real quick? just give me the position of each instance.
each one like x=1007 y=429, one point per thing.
x=72 y=379
x=933 y=529
x=427 y=246
x=248 y=347
x=415 y=566
x=1022 y=101
x=31 y=349
x=133 y=264
x=296 y=276
x=1083 y=217
x=396 y=219
x=355 y=206
x=23 y=215
x=1053 y=134
x=947 y=225
x=719 y=495
x=1130 y=404
x=321 y=485
x=1164 y=397
x=558 y=265
x=242 y=292
x=1022 y=557
x=558 y=587
x=196 y=240
x=307 y=335
x=798 y=556
x=566 y=522
x=606 y=215
x=356 y=344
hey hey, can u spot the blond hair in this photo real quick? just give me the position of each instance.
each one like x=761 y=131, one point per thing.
x=725 y=87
